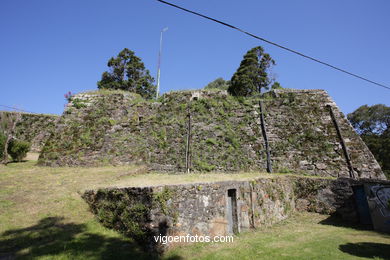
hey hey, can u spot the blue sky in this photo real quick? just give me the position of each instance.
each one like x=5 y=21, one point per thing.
x=48 y=48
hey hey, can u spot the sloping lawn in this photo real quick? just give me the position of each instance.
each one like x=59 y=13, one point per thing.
x=43 y=217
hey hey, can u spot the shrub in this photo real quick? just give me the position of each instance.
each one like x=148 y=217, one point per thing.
x=18 y=149
x=3 y=139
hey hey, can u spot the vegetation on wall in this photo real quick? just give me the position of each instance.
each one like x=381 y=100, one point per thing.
x=218 y=83
x=3 y=139
x=10 y=146
x=276 y=85
x=118 y=127
x=8 y=123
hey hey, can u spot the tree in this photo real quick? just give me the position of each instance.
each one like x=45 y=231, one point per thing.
x=219 y=83
x=8 y=123
x=127 y=72
x=253 y=73
x=18 y=149
x=276 y=85
x=372 y=123
x=369 y=120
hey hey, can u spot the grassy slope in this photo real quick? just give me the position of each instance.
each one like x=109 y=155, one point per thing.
x=42 y=216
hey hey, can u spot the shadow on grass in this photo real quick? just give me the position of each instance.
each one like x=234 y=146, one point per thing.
x=361 y=249
x=368 y=250
x=337 y=221
x=52 y=237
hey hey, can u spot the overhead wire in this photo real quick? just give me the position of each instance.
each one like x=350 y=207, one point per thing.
x=276 y=44
x=14 y=108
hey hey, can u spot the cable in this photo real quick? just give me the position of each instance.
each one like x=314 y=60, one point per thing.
x=275 y=44
x=14 y=108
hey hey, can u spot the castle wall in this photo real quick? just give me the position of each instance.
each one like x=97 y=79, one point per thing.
x=33 y=128
x=122 y=128
x=303 y=136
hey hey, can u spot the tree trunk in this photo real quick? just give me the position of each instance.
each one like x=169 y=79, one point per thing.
x=5 y=151
x=9 y=133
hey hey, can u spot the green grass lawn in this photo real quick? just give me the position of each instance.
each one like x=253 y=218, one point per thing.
x=43 y=217
x=303 y=236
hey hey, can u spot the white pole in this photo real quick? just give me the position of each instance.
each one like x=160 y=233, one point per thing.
x=159 y=61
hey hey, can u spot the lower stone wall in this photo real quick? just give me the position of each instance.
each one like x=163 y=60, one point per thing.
x=204 y=208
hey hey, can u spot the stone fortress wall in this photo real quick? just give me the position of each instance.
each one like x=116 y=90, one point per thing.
x=211 y=131
x=33 y=128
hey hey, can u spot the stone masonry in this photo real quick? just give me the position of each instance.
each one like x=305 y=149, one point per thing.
x=202 y=208
x=34 y=128
x=114 y=127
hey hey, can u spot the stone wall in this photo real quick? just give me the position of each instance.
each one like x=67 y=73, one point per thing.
x=34 y=128
x=202 y=209
x=194 y=209
x=303 y=136
x=119 y=128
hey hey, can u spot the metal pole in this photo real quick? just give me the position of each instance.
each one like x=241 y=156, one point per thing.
x=342 y=142
x=188 y=155
x=159 y=61
x=264 y=132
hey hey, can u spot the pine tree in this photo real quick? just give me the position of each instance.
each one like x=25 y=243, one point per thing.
x=127 y=72
x=252 y=75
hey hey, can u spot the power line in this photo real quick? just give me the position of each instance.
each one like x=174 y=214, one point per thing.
x=275 y=44
x=14 y=108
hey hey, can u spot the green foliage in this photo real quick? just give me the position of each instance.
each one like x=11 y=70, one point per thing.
x=373 y=125
x=368 y=120
x=252 y=74
x=161 y=198
x=132 y=217
x=78 y=103
x=276 y=85
x=18 y=149
x=219 y=83
x=204 y=166
x=283 y=170
x=128 y=72
x=230 y=137
x=211 y=141
x=3 y=139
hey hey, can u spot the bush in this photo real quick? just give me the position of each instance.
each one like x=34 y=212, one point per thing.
x=3 y=139
x=18 y=149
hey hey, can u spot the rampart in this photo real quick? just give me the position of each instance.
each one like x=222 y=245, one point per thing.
x=34 y=128
x=211 y=131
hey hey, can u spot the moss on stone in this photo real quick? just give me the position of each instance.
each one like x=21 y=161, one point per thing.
x=161 y=199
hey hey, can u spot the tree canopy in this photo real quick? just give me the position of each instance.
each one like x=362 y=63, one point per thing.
x=253 y=73
x=128 y=72
x=218 y=83
x=373 y=125
x=276 y=85
x=371 y=119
